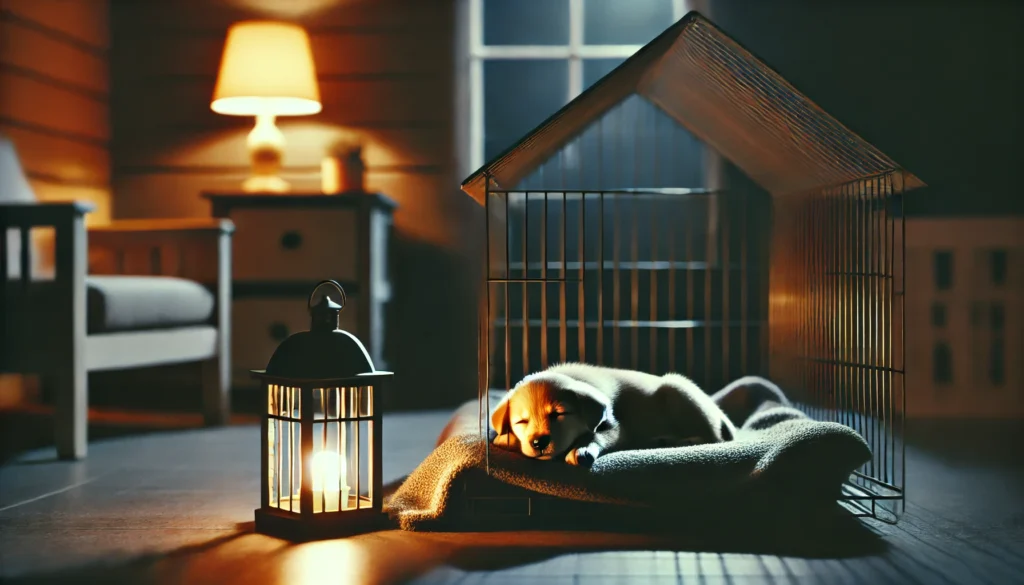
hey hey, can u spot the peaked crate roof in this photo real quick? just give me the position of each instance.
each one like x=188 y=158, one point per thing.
x=726 y=97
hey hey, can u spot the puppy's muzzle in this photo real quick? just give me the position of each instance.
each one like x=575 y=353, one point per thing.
x=540 y=442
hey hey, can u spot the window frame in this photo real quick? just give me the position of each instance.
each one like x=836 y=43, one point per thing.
x=575 y=52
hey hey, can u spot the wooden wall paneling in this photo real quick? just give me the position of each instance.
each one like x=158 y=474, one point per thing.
x=400 y=146
x=191 y=17
x=176 y=102
x=43 y=105
x=166 y=56
x=55 y=191
x=29 y=48
x=57 y=159
x=81 y=22
x=54 y=97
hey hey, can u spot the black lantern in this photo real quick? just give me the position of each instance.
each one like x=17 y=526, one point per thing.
x=321 y=431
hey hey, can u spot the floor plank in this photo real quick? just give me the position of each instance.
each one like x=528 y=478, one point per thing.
x=176 y=507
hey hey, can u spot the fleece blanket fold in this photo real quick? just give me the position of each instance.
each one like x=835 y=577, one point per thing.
x=778 y=452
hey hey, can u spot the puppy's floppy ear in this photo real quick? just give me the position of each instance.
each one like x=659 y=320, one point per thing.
x=499 y=416
x=593 y=407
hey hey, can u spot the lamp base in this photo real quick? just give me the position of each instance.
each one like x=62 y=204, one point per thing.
x=266 y=148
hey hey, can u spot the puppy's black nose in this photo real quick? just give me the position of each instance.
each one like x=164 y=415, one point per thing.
x=540 y=442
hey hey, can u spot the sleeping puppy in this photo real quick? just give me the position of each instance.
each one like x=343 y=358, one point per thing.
x=578 y=412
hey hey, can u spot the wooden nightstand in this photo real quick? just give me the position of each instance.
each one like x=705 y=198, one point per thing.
x=284 y=245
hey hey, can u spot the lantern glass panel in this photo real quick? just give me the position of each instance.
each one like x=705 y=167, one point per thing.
x=284 y=467
x=342 y=449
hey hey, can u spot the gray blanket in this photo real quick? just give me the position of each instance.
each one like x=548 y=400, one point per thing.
x=779 y=453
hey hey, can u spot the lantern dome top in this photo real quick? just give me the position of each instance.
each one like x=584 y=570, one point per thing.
x=325 y=351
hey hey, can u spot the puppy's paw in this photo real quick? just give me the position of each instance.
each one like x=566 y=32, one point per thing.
x=582 y=456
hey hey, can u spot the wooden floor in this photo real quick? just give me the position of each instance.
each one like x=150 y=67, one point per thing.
x=177 y=507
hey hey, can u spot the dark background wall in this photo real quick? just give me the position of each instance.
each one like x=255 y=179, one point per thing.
x=936 y=84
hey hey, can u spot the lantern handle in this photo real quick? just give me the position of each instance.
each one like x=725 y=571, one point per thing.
x=309 y=303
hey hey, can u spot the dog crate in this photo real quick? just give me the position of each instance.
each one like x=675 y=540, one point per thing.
x=693 y=212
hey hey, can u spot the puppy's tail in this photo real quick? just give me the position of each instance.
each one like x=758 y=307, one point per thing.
x=748 y=395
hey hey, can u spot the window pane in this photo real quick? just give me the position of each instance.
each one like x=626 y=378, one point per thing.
x=595 y=69
x=998 y=263
x=619 y=22
x=942 y=363
x=943 y=270
x=518 y=96
x=635 y=144
x=526 y=22
x=939 y=315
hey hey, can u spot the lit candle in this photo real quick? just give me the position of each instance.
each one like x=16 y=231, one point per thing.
x=328 y=474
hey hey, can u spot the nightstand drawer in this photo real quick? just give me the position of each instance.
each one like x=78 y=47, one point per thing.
x=261 y=324
x=295 y=244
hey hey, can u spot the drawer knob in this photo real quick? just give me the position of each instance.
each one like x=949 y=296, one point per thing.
x=278 y=331
x=291 y=240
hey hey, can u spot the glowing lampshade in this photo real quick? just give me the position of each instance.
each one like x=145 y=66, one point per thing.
x=267 y=68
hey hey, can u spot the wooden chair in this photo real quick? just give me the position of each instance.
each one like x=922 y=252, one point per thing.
x=130 y=294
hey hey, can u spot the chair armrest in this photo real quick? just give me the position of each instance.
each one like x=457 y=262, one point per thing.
x=65 y=218
x=42 y=213
x=186 y=247
x=29 y=314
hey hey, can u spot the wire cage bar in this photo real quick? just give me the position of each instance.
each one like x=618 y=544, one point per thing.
x=836 y=322
x=636 y=279
x=609 y=239
x=631 y=278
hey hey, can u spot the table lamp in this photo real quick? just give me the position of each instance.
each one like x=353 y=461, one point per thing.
x=266 y=71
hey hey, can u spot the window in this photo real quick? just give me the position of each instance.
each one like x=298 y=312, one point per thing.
x=997 y=362
x=997 y=266
x=938 y=315
x=943 y=270
x=528 y=58
x=942 y=363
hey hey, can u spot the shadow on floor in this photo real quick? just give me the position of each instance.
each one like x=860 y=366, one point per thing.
x=973 y=441
x=394 y=556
